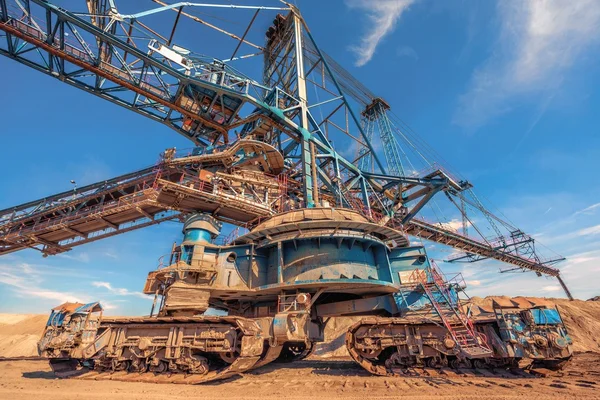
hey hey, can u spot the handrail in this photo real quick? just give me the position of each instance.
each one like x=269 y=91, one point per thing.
x=436 y=279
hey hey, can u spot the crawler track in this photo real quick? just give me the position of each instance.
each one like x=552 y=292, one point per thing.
x=241 y=364
x=170 y=350
x=385 y=336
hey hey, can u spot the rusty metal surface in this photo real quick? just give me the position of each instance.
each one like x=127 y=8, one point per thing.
x=160 y=349
x=68 y=307
x=317 y=222
x=395 y=346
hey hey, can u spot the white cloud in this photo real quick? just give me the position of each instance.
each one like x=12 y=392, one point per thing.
x=58 y=296
x=539 y=41
x=587 y=210
x=108 y=306
x=590 y=259
x=473 y=283
x=118 y=291
x=105 y=285
x=407 y=51
x=553 y=288
x=25 y=280
x=592 y=230
x=383 y=15
x=454 y=225
x=580 y=260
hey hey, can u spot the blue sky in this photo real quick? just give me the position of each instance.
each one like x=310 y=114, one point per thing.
x=508 y=92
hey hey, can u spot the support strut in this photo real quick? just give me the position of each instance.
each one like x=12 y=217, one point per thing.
x=565 y=288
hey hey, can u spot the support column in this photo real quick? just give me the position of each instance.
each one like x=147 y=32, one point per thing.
x=565 y=288
x=4 y=13
x=315 y=181
x=365 y=194
x=308 y=151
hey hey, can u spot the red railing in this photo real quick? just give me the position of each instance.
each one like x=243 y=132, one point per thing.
x=438 y=281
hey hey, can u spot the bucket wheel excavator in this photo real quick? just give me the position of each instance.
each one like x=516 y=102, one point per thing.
x=316 y=234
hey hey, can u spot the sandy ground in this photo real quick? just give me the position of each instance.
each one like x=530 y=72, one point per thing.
x=311 y=379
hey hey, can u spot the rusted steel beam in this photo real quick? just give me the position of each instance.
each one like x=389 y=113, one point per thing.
x=440 y=235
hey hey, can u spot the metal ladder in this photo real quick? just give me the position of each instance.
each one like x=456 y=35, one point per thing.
x=471 y=343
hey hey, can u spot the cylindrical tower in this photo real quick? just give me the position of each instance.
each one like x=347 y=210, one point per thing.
x=200 y=228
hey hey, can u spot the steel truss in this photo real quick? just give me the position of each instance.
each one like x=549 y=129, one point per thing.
x=207 y=101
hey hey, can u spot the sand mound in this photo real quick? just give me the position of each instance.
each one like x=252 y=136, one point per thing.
x=582 y=319
x=19 y=334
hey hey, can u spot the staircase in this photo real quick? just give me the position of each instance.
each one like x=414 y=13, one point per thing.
x=472 y=344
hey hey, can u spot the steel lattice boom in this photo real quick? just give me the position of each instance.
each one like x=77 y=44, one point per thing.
x=285 y=124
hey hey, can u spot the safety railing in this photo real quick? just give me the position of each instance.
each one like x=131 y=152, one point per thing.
x=147 y=186
x=463 y=329
x=167 y=259
x=226 y=240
